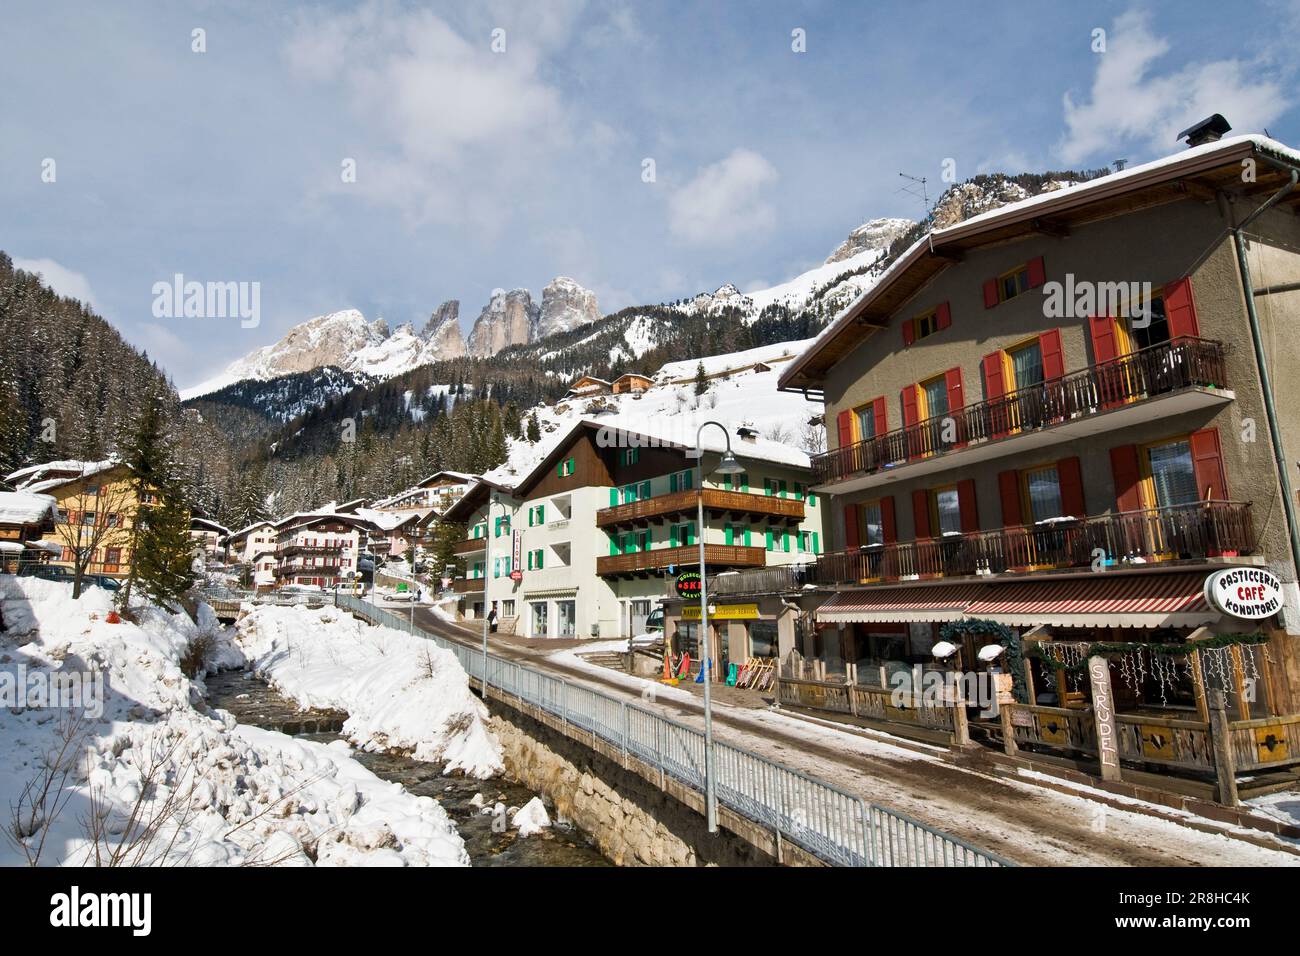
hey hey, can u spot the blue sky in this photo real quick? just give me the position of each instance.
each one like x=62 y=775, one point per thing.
x=478 y=169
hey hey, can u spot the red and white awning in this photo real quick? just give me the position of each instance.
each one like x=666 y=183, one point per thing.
x=1142 y=600
x=900 y=605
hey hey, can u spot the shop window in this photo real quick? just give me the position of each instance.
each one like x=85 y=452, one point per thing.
x=539 y=618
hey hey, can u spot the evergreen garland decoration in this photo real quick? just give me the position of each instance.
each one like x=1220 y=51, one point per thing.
x=981 y=627
x=1104 y=649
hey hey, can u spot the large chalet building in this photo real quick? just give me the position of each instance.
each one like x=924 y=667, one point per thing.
x=1009 y=443
x=584 y=544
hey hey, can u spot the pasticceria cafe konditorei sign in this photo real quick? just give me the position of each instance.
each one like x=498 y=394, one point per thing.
x=1247 y=593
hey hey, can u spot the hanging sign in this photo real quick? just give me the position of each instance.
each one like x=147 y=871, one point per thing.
x=1249 y=593
x=1103 y=712
x=722 y=612
x=516 y=554
x=688 y=584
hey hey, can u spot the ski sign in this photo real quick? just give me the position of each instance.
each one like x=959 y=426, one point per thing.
x=688 y=584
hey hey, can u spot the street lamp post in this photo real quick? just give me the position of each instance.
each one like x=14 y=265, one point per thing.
x=487 y=557
x=728 y=466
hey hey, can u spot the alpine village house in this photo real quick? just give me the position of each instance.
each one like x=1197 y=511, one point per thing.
x=1052 y=428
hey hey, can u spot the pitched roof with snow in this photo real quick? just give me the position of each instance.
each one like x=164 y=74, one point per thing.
x=24 y=508
x=686 y=369
x=52 y=474
x=1209 y=166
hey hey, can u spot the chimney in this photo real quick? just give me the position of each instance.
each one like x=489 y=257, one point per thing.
x=1208 y=130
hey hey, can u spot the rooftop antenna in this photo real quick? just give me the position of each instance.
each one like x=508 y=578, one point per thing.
x=1119 y=164
x=922 y=193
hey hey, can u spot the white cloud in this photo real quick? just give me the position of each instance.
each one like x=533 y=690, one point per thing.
x=724 y=202
x=1132 y=106
x=443 y=108
x=61 y=279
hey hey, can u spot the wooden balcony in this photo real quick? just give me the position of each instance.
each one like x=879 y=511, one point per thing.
x=645 y=563
x=1162 y=380
x=468 y=585
x=717 y=501
x=314 y=549
x=316 y=570
x=1186 y=533
x=469 y=546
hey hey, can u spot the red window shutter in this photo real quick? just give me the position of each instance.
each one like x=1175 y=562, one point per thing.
x=910 y=412
x=1207 y=462
x=952 y=382
x=1101 y=328
x=1124 y=469
x=1069 y=477
x=844 y=422
x=889 y=527
x=878 y=413
x=909 y=332
x=1009 y=490
x=993 y=385
x=1049 y=344
x=921 y=513
x=990 y=293
x=1181 y=309
x=970 y=520
x=942 y=315
x=1037 y=273
x=851 y=526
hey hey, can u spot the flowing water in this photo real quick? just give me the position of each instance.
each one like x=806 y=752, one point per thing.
x=251 y=701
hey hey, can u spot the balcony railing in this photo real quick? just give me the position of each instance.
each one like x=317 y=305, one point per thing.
x=469 y=546
x=1140 y=376
x=297 y=567
x=1187 y=532
x=716 y=555
x=468 y=585
x=777 y=579
x=291 y=549
x=715 y=499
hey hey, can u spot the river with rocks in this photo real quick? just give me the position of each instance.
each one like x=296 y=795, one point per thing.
x=251 y=701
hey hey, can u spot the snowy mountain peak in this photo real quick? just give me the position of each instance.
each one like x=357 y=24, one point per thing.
x=875 y=235
x=509 y=318
x=566 y=305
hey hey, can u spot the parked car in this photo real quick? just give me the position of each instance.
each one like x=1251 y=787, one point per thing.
x=652 y=631
x=105 y=581
x=48 y=572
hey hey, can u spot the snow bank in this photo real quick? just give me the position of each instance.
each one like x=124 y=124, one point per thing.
x=217 y=793
x=531 y=819
x=400 y=692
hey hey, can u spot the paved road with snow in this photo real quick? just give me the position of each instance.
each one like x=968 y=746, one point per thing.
x=1029 y=824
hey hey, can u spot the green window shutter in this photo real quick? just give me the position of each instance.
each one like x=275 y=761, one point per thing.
x=771 y=539
x=541 y=559
x=559 y=470
x=767 y=487
x=747 y=537
x=731 y=535
x=645 y=491
x=785 y=541
x=672 y=482
x=530 y=560
x=781 y=486
x=798 y=491
x=816 y=547
x=744 y=481
x=541 y=514
x=726 y=482
x=613 y=497
x=688 y=479
x=812 y=500
x=672 y=536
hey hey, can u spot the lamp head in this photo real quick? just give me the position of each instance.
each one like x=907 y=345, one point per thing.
x=729 y=464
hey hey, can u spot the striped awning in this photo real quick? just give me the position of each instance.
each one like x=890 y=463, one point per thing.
x=900 y=605
x=1143 y=600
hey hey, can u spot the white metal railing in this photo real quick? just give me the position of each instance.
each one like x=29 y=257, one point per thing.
x=835 y=826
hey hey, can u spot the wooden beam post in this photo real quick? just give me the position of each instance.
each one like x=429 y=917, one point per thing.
x=1103 y=713
x=1225 y=765
x=1008 y=730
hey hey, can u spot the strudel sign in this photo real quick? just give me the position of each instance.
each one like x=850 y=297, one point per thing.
x=1248 y=593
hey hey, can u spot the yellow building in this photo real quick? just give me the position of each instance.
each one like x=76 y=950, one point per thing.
x=98 y=507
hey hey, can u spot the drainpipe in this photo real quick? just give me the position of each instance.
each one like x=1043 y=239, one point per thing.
x=1265 y=380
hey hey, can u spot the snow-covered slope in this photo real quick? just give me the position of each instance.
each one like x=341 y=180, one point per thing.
x=739 y=395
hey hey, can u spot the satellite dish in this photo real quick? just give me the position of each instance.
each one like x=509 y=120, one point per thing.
x=991 y=652
x=943 y=649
